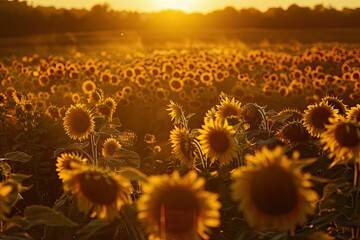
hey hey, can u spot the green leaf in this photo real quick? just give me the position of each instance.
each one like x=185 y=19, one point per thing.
x=16 y=156
x=38 y=215
x=281 y=118
x=115 y=122
x=98 y=229
x=133 y=174
x=130 y=158
x=109 y=131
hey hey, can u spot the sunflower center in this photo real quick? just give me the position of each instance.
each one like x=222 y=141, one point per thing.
x=347 y=135
x=111 y=148
x=229 y=111
x=274 y=192
x=98 y=189
x=320 y=117
x=179 y=207
x=219 y=141
x=295 y=132
x=80 y=121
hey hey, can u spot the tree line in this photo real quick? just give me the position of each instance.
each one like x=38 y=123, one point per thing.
x=18 y=18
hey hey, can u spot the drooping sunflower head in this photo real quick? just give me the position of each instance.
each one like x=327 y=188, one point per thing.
x=217 y=142
x=251 y=113
x=336 y=103
x=294 y=114
x=175 y=112
x=181 y=145
x=228 y=108
x=107 y=107
x=53 y=112
x=110 y=146
x=103 y=193
x=96 y=96
x=354 y=113
x=273 y=192
x=175 y=207
x=342 y=140
x=293 y=132
x=317 y=116
x=78 y=122
x=69 y=161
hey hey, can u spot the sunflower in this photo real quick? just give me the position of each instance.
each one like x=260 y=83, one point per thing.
x=88 y=86
x=68 y=162
x=228 y=108
x=354 y=113
x=181 y=139
x=175 y=112
x=176 y=85
x=2 y=100
x=273 y=192
x=17 y=97
x=27 y=107
x=103 y=193
x=175 y=207
x=336 y=103
x=293 y=132
x=107 y=108
x=217 y=142
x=295 y=114
x=110 y=146
x=252 y=115
x=96 y=96
x=317 y=116
x=78 y=122
x=342 y=139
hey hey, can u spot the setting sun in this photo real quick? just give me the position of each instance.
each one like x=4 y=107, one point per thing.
x=184 y=5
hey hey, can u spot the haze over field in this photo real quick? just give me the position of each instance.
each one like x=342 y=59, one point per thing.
x=193 y=5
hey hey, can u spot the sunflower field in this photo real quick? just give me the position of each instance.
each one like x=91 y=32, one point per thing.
x=180 y=144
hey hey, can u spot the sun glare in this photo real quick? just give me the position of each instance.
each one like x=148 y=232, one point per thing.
x=184 y=5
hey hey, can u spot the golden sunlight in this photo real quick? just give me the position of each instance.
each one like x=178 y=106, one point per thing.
x=184 y=5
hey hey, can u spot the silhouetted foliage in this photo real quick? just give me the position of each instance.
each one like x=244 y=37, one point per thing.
x=20 y=18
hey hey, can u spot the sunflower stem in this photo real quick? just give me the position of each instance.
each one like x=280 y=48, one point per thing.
x=202 y=158
x=93 y=144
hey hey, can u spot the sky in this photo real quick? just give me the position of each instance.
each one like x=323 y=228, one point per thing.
x=192 y=5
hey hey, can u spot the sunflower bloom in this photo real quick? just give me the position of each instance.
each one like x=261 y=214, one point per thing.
x=293 y=132
x=354 y=113
x=78 y=122
x=181 y=146
x=102 y=193
x=175 y=112
x=217 y=142
x=110 y=146
x=228 y=108
x=175 y=207
x=342 y=139
x=68 y=162
x=336 y=103
x=317 y=116
x=273 y=192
